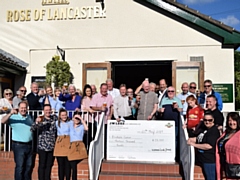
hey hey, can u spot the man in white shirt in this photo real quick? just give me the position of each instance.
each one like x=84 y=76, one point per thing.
x=123 y=105
x=161 y=94
x=114 y=92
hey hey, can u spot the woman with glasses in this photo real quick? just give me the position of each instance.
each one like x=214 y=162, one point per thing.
x=205 y=144
x=77 y=151
x=6 y=103
x=228 y=149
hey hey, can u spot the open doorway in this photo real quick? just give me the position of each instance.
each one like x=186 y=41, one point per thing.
x=134 y=72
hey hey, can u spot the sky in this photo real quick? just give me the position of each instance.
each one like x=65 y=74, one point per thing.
x=226 y=11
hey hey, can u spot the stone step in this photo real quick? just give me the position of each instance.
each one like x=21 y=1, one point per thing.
x=117 y=176
x=140 y=167
x=117 y=170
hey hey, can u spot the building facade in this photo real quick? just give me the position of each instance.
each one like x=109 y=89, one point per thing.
x=127 y=41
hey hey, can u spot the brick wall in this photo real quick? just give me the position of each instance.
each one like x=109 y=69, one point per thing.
x=198 y=175
x=7 y=168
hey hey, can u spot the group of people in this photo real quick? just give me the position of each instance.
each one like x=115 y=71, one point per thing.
x=62 y=116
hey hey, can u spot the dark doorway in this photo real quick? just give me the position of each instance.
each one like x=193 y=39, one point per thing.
x=133 y=73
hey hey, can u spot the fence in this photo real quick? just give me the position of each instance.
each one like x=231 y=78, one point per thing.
x=96 y=151
x=187 y=153
x=5 y=130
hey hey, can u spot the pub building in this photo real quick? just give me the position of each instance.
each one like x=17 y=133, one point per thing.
x=127 y=41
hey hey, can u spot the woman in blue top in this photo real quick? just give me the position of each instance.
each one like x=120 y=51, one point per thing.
x=77 y=150
x=72 y=100
x=62 y=145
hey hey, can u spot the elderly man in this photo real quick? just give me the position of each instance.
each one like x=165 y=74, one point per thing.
x=21 y=140
x=183 y=96
x=146 y=102
x=94 y=89
x=123 y=105
x=208 y=91
x=114 y=92
x=212 y=106
x=33 y=98
x=170 y=108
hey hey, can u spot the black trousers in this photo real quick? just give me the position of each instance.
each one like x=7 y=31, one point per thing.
x=46 y=160
x=64 y=168
x=73 y=165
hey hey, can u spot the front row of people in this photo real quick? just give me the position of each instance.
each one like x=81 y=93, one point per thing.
x=218 y=155
x=67 y=146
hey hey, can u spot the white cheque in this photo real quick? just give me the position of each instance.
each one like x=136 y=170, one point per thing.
x=141 y=141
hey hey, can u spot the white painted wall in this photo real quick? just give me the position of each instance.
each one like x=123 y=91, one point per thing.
x=130 y=31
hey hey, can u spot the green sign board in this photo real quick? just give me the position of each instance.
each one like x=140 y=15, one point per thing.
x=226 y=91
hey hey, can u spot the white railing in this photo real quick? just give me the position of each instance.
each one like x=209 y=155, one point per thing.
x=5 y=130
x=96 y=151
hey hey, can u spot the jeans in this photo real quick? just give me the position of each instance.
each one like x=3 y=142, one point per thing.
x=23 y=160
x=46 y=160
x=209 y=171
x=63 y=168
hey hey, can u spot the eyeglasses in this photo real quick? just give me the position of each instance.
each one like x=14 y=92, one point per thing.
x=171 y=91
x=8 y=94
x=208 y=120
x=207 y=86
x=22 y=90
x=193 y=87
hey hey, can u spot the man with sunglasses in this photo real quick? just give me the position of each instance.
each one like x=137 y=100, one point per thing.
x=192 y=88
x=209 y=91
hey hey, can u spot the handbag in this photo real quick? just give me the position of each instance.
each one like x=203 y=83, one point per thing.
x=232 y=171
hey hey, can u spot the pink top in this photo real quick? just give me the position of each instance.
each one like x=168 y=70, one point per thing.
x=98 y=100
x=85 y=106
x=232 y=148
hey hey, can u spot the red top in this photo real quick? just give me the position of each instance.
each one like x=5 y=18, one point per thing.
x=194 y=116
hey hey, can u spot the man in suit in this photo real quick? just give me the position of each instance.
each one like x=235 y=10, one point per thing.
x=162 y=93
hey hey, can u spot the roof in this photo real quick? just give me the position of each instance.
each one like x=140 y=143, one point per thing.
x=230 y=36
x=12 y=60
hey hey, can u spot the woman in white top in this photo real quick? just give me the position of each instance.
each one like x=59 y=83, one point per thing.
x=6 y=102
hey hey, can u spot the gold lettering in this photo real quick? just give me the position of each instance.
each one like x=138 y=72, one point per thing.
x=83 y=12
x=22 y=15
x=102 y=12
x=42 y=14
x=36 y=15
x=49 y=14
x=16 y=16
x=49 y=1
x=44 y=2
x=90 y=12
x=77 y=13
x=56 y=15
x=28 y=15
x=63 y=13
x=69 y=13
x=9 y=16
x=96 y=12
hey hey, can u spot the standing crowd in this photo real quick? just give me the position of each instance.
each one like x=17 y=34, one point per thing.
x=70 y=117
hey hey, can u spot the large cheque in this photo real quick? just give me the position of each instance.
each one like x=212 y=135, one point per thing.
x=141 y=141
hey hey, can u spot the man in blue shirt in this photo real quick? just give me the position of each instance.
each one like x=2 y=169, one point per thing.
x=21 y=140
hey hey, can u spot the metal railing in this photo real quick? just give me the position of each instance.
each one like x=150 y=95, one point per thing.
x=5 y=130
x=187 y=153
x=96 y=151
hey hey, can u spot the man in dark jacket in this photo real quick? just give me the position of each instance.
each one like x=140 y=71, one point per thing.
x=209 y=91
